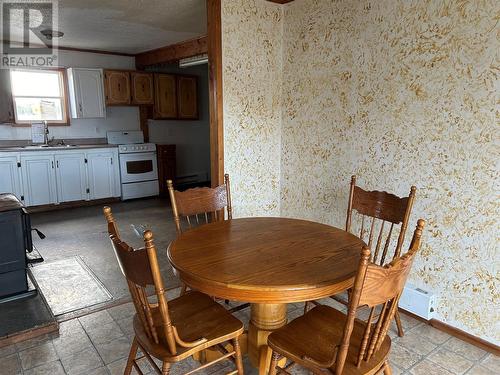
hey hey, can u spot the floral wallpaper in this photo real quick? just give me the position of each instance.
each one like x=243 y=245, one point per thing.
x=402 y=93
x=398 y=92
x=251 y=39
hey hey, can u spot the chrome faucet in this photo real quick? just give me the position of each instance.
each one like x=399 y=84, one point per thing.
x=45 y=133
x=46 y=140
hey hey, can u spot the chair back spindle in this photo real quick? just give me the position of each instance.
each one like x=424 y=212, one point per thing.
x=381 y=207
x=379 y=288
x=200 y=205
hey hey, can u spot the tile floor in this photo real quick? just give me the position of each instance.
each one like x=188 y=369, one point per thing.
x=82 y=232
x=99 y=343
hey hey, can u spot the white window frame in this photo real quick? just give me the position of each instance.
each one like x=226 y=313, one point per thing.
x=64 y=98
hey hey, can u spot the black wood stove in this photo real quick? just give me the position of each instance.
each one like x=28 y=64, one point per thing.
x=15 y=242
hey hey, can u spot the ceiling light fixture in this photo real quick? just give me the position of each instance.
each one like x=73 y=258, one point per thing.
x=50 y=34
x=195 y=60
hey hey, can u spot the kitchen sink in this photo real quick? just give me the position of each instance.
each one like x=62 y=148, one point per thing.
x=62 y=146
x=37 y=147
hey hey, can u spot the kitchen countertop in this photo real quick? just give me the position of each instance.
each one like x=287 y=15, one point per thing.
x=54 y=148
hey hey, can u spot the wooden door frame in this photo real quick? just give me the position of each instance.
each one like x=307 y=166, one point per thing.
x=214 y=31
x=212 y=45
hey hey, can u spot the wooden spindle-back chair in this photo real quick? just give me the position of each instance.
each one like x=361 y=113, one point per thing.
x=382 y=207
x=200 y=205
x=327 y=341
x=170 y=330
x=378 y=211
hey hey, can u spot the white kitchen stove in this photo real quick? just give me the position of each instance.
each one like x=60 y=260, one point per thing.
x=138 y=165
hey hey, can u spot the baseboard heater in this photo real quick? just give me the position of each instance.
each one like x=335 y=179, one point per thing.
x=192 y=178
x=418 y=301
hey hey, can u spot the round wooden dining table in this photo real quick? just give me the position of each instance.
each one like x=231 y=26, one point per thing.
x=269 y=262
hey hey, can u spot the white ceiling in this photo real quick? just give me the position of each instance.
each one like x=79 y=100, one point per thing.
x=129 y=26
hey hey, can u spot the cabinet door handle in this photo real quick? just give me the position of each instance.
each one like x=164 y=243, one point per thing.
x=80 y=106
x=57 y=164
x=52 y=165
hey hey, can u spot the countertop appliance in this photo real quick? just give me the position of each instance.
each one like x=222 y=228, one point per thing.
x=138 y=165
x=15 y=241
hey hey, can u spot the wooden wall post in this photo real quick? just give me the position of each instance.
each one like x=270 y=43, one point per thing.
x=214 y=31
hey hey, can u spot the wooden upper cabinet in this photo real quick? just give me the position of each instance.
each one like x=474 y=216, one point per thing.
x=187 y=101
x=173 y=96
x=165 y=96
x=142 y=88
x=117 y=87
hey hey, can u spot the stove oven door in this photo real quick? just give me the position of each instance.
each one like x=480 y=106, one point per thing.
x=138 y=167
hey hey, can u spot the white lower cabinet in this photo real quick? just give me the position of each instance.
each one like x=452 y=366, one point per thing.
x=52 y=177
x=39 y=179
x=10 y=181
x=71 y=177
x=102 y=176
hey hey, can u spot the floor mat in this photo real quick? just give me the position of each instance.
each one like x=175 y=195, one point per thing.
x=69 y=285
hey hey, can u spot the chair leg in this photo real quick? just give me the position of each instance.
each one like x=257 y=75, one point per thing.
x=238 y=360
x=131 y=357
x=306 y=306
x=398 y=324
x=165 y=368
x=183 y=289
x=387 y=368
x=274 y=362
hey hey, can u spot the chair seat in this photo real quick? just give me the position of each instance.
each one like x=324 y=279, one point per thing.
x=315 y=334
x=196 y=316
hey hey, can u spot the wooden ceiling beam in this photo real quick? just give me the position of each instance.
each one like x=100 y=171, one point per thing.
x=173 y=52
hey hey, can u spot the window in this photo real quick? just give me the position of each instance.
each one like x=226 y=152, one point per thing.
x=39 y=95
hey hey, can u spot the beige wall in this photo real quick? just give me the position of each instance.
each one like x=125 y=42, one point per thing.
x=398 y=92
x=252 y=38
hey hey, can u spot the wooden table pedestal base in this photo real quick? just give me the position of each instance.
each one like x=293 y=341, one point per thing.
x=264 y=319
